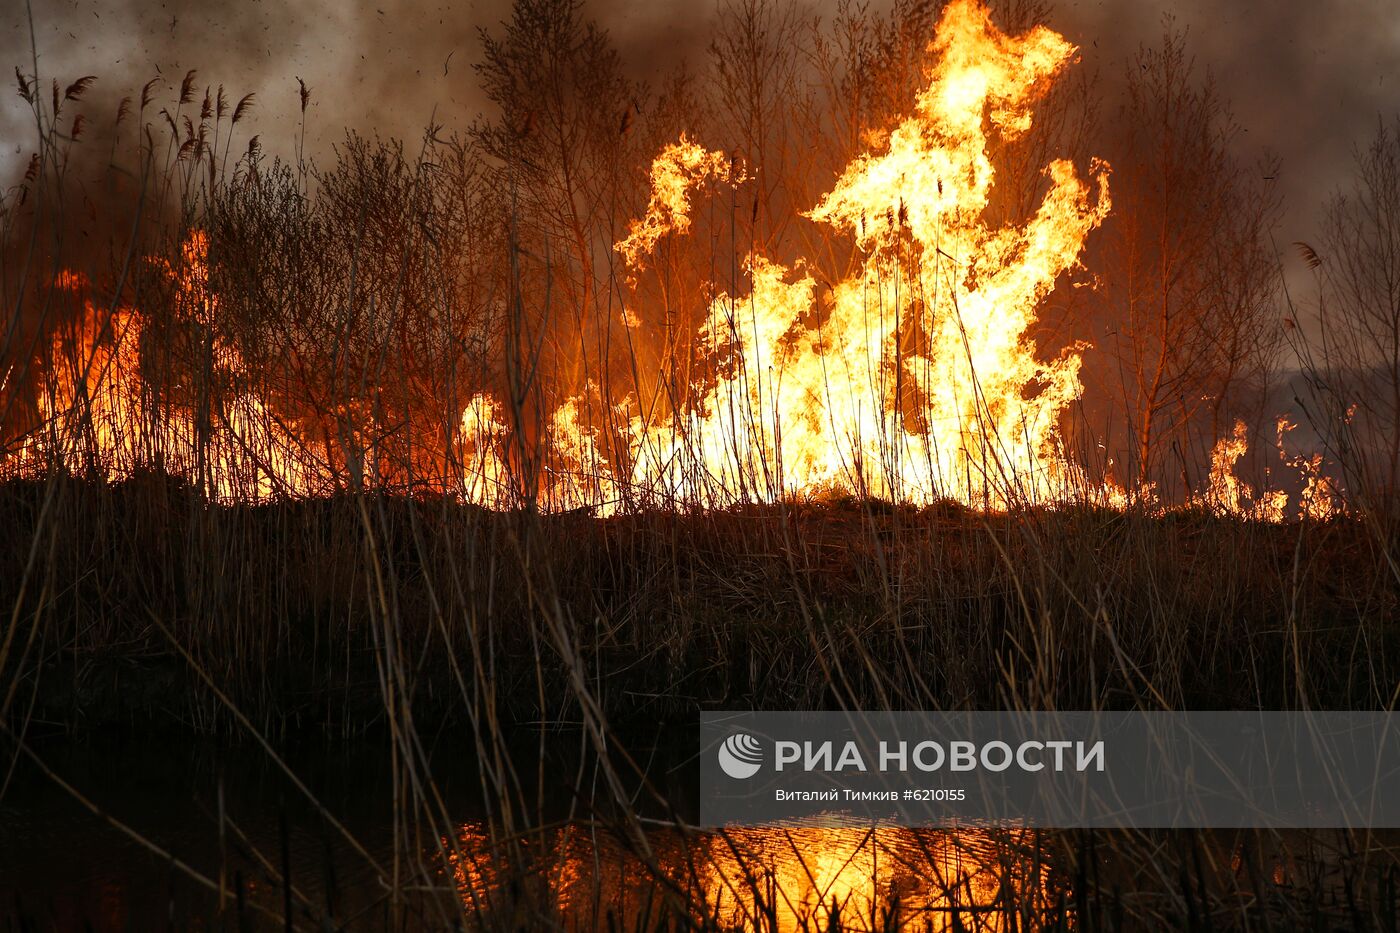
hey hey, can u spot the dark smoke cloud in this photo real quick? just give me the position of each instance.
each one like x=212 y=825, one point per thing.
x=254 y=47
x=383 y=67
x=1307 y=79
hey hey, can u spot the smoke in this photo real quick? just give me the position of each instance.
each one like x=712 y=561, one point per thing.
x=257 y=48
x=386 y=67
x=1307 y=80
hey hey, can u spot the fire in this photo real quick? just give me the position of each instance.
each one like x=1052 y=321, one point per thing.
x=1232 y=496
x=675 y=173
x=783 y=878
x=486 y=475
x=915 y=376
x=98 y=414
x=1319 y=499
x=847 y=878
x=92 y=399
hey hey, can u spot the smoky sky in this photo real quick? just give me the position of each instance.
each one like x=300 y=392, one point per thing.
x=1307 y=80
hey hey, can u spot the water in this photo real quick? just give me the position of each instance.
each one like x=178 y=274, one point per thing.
x=68 y=867
x=572 y=865
x=64 y=867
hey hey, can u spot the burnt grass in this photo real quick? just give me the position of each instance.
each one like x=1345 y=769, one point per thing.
x=143 y=605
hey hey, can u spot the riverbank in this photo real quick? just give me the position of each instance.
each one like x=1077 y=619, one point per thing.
x=142 y=605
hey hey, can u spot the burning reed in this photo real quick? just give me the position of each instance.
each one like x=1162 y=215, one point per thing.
x=419 y=325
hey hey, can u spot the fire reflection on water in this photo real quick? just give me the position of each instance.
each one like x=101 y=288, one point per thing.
x=777 y=878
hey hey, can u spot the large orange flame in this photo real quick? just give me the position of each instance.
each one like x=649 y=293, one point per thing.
x=915 y=377
x=675 y=173
x=99 y=415
x=912 y=378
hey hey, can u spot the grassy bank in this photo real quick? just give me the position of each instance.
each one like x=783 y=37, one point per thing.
x=141 y=602
x=398 y=621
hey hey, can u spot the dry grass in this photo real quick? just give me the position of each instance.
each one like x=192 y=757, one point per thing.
x=799 y=606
